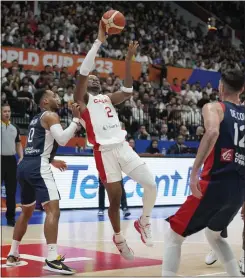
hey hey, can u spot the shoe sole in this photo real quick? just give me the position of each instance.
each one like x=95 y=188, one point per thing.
x=12 y=264
x=127 y=214
x=136 y=225
x=211 y=263
x=46 y=267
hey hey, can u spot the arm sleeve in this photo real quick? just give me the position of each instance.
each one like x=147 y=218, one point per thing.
x=88 y=62
x=63 y=136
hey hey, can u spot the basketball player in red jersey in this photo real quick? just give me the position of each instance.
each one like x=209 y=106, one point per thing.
x=219 y=193
x=112 y=153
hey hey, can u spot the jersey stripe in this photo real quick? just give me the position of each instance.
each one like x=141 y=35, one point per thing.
x=89 y=127
x=208 y=164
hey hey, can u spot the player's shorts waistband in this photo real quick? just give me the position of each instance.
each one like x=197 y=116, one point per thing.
x=104 y=148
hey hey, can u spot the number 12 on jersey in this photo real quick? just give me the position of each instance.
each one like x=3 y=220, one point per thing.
x=237 y=142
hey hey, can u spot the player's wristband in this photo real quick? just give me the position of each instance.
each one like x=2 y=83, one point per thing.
x=127 y=90
x=76 y=121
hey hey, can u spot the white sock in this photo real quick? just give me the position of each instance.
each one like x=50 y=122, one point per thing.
x=52 y=252
x=171 y=253
x=119 y=237
x=144 y=220
x=14 y=248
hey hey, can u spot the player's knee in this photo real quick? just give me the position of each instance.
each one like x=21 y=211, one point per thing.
x=212 y=235
x=149 y=183
x=52 y=211
x=27 y=212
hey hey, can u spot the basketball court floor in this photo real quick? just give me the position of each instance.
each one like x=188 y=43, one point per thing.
x=86 y=242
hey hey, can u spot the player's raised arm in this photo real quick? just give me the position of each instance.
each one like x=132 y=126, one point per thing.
x=86 y=67
x=127 y=89
x=51 y=121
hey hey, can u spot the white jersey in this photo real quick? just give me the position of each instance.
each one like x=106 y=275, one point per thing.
x=101 y=122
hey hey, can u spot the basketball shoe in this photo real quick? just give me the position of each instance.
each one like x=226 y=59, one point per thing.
x=145 y=232
x=58 y=266
x=13 y=260
x=211 y=258
x=126 y=252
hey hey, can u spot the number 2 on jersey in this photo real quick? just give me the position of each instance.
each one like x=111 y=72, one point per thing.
x=31 y=134
x=241 y=142
x=108 y=111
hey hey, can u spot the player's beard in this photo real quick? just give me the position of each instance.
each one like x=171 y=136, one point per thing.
x=94 y=90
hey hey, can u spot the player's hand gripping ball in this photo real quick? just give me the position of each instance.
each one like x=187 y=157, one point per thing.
x=113 y=22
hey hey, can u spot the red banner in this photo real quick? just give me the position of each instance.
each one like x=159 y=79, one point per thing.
x=36 y=60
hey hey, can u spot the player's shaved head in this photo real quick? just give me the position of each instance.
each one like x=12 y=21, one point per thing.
x=94 y=87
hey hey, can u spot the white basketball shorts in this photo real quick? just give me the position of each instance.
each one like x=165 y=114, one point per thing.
x=113 y=160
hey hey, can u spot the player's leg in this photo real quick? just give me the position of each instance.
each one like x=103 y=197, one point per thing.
x=144 y=177
x=111 y=176
x=48 y=194
x=211 y=257
x=28 y=205
x=135 y=168
x=192 y=217
x=114 y=191
x=242 y=259
x=232 y=199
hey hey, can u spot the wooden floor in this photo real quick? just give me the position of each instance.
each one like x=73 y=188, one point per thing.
x=89 y=249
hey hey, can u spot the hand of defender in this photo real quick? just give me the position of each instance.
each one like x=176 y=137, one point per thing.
x=102 y=34
x=195 y=186
x=60 y=164
x=132 y=49
x=75 y=108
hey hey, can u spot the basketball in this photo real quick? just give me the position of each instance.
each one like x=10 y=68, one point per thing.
x=113 y=22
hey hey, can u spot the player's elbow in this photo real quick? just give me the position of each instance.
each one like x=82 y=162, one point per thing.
x=126 y=96
x=61 y=142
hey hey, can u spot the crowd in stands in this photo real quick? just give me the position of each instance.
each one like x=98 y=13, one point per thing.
x=155 y=111
x=165 y=37
x=230 y=12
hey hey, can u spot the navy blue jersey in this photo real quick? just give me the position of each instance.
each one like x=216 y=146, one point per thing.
x=40 y=142
x=228 y=154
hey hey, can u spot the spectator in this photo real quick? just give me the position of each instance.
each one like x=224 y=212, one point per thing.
x=164 y=135
x=132 y=143
x=175 y=86
x=69 y=97
x=153 y=149
x=142 y=134
x=179 y=147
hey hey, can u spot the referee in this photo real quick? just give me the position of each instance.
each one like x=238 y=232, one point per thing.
x=11 y=145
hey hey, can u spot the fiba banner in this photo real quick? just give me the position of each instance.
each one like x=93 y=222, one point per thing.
x=36 y=60
x=78 y=186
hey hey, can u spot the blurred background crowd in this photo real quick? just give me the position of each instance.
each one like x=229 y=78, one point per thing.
x=157 y=110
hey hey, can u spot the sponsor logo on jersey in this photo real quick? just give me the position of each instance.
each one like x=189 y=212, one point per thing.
x=227 y=155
